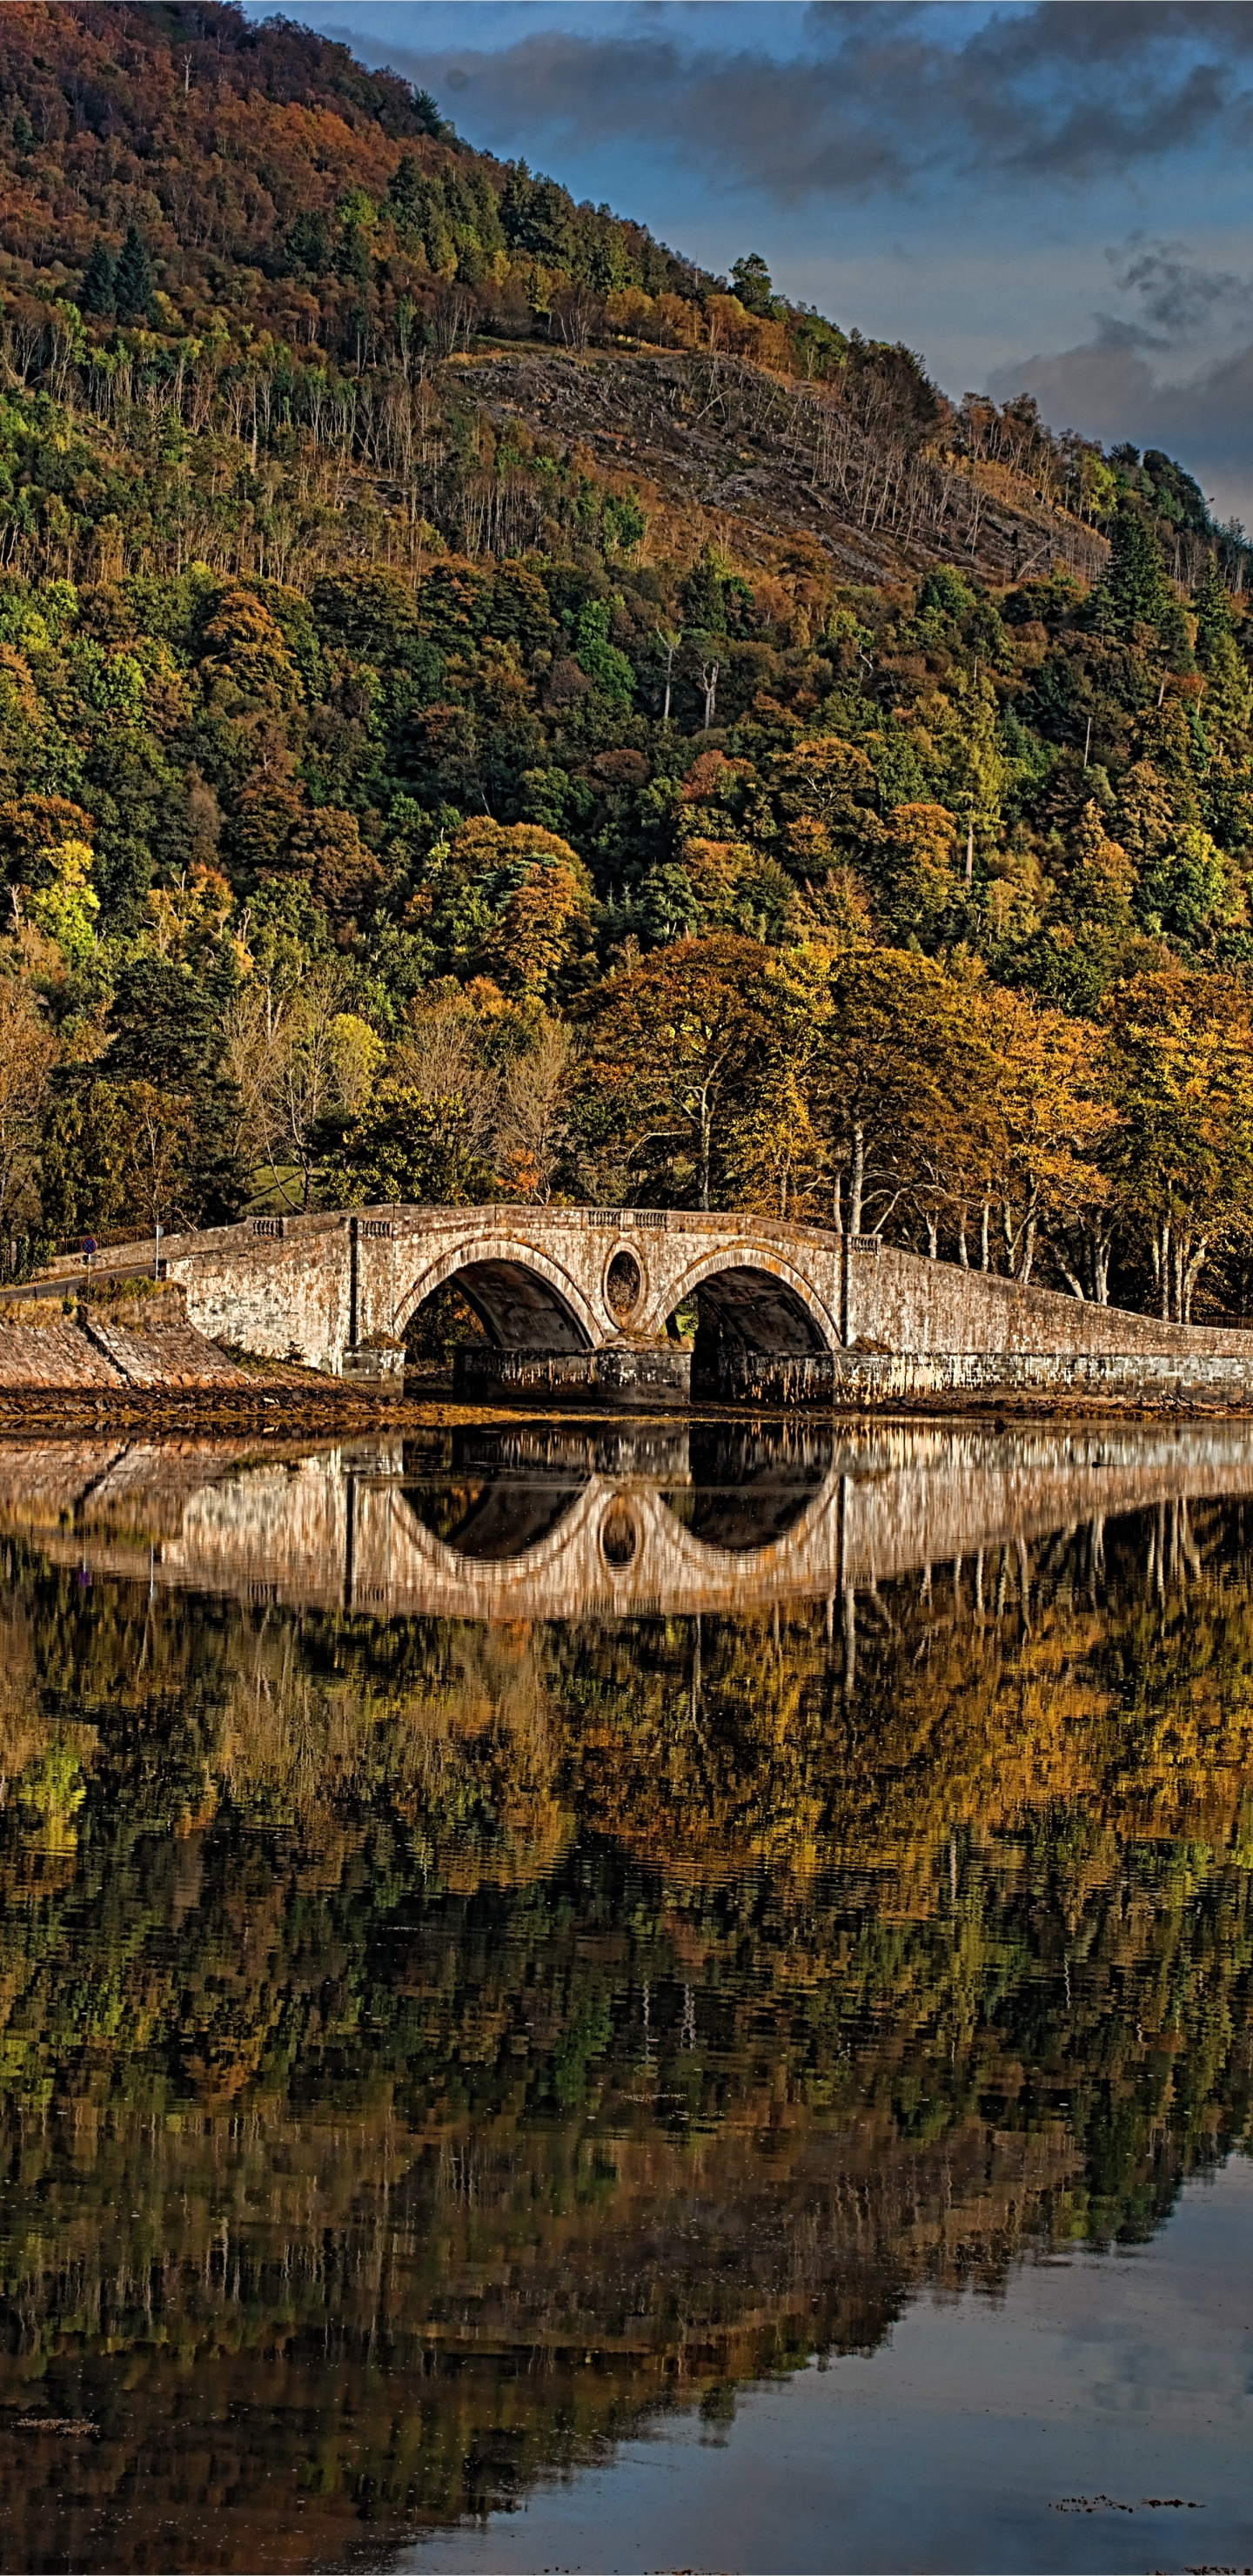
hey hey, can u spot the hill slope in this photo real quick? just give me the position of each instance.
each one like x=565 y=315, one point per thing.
x=240 y=222
x=458 y=662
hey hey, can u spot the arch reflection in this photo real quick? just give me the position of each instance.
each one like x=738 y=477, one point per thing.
x=557 y=1521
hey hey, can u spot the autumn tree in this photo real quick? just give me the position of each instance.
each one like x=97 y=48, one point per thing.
x=674 y=1045
x=533 y=1125
x=901 y=1085
x=28 y=1050
x=916 y=873
x=1050 y=1121
x=1181 y=1160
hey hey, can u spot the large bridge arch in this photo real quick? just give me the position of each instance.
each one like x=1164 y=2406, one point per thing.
x=770 y=1309
x=524 y=1300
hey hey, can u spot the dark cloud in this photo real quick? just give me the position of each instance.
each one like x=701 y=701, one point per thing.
x=879 y=97
x=1178 y=298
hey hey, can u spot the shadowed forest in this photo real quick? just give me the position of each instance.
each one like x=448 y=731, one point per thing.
x=489 y=710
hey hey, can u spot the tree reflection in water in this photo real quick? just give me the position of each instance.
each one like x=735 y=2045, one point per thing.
x=428 y=2043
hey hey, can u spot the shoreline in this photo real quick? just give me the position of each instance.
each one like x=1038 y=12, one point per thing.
x=308 y=1411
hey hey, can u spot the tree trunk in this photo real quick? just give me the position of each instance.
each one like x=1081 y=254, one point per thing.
x=706 y=1149
x=1192 y=1271
x=857 y=1180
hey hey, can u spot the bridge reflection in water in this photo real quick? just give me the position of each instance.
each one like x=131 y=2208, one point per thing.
x=558 y=1523
x=507 y=1934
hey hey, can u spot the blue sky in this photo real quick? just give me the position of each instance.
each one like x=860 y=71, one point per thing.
x=1054 y=193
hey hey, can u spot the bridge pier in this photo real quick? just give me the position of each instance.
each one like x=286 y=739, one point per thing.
x=652 y=1375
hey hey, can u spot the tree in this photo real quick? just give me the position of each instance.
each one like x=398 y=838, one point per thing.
x=1100 y=888
x=133 y=278
x=98 y=292
x=346 y=875
x=1050 y=1121
x=160 y=1132
x=167 y=1030
x=902 y=1085
x=533 y=1130
x=28 y=1051
x=1228 y=703
x=829 y=781
x=673 y=1047
x=536 y=931
x=66 y=907
x=916 y=870
x=753 y=285
x=308 y=243
x=1135 y=591
x=406 y=1150
x=298 y=1078
x=1181 y=1161
x=121 y=1153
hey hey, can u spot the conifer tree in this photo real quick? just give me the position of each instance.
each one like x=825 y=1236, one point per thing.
x=1135 y=591
x=133 y=280
x=98 y=292
x=1228 y=703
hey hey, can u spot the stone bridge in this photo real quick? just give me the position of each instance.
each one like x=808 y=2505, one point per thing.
x=578 y=1297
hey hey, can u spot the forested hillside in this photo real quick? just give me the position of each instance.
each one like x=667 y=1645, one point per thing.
x=488 y=709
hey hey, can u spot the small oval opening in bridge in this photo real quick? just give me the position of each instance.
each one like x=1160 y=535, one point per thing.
x=624 y=1286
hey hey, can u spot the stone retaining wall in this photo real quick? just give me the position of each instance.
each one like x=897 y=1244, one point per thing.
x=654 y=1375
x=128 y=1342
x=870 y=1381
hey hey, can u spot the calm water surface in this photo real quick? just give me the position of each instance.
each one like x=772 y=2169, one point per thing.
x=619 y=1999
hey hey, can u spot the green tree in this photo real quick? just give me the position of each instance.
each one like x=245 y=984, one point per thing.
x=1134 y=591
x=98 y=292
x=406 y=1150
x=1228 y=703
x=133 y=281
x=752 y=283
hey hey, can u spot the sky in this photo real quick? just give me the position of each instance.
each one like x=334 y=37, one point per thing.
x=1050 y=194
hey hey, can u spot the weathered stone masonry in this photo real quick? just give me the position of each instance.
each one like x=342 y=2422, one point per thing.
x=579 y=1297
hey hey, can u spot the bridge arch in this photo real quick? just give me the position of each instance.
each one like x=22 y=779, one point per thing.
x=524 y=1300
x=758 y=1308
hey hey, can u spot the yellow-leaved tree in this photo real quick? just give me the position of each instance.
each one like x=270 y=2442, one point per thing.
x=1181 y=1160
